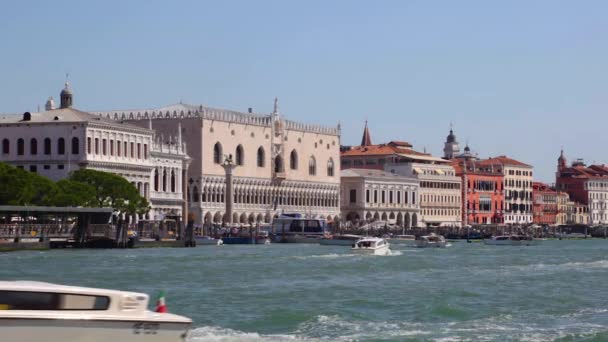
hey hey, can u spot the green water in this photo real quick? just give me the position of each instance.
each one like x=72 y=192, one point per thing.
x=467 y=292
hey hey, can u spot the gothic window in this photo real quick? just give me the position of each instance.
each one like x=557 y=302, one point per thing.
x=47 y=146
x=239 y=155
x=312 y=166
x=20 y=146
x=164 y=180
x=195 y=194
x=293 y=160
x=75 y=145
x=96 y=145
x=6 y=146
x=278 y=164
x=330 y=167
x=217 y=153
x=33 y=146
x=261 y=157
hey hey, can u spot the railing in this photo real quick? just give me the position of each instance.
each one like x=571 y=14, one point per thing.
x=36 y=230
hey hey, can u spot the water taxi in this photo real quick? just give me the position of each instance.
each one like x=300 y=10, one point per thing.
x=340 y=240
x=293 y=228
x=432 y=240
x=408 y=240
x=372 y=246
x=511 y=240
x=37 y=311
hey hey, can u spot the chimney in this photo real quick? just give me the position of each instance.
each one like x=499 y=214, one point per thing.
x=250 y=110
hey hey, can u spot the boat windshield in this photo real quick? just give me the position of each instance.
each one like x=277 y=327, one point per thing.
x=25 y=300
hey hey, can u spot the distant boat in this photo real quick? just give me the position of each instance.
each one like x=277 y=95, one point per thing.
x=432 y=240
x=572 y=236
x=372 y=246
x=409 y=240
x=340 y=240
x=36 y=311
x=208 y=240
x=511 y=240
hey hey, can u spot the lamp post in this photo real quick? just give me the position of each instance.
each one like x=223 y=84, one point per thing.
x=229 y=166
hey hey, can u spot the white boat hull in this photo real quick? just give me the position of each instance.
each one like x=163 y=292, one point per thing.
x=208 y=242
x=85 y=330
x=385 y=250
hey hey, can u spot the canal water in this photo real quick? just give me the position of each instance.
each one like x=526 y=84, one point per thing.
x=467 y=292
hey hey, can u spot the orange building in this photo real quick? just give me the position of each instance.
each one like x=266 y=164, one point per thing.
x=482 y=191
x=544 y=204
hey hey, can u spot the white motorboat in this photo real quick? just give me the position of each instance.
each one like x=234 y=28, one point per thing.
x=208 y=240
x=432 y=240
x=340 y=240
x=36 y=311
x=511 y=240
x=402 y=240
x=372 y=246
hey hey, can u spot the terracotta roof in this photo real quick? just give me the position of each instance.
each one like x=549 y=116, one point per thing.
x=580 y=171
x=459 y=164
x=380 y=150
x=502 y=160
x=400 y=143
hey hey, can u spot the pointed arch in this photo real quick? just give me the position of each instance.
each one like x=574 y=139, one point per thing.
x=278 y=164
x=312 y=166
x=217 y=153
x=261 y=157
x=293 y=160
x=239 y=155
x=172 y=181
x=330 y=167
x=155 y=179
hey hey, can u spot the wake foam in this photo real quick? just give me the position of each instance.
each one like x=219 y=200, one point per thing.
x=217 y=334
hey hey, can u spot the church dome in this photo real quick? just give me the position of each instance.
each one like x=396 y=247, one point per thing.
x=66 y=90
x=467 y=148
x=451 y=137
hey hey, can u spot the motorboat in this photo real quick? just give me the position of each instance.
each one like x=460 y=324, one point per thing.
x=432 y=240
x=208 y=240
x=37 y=311
x=372 y=246
x=511 y=240
x=402 y=240
x=340 y=240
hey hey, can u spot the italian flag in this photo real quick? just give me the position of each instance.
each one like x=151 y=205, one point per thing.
x=161 y=306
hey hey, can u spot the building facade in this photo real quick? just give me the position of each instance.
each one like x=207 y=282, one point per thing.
x=282 y=166
x=482 y=191
x=58 y=141
x=370 y=195
x=440 y=192
x=587 y=185
x=517 y=187
x=544 y=204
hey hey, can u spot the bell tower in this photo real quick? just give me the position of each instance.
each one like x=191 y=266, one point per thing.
x=66 y=96
x=451 y=147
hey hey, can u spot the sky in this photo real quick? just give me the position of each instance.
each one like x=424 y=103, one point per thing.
x=516 y=78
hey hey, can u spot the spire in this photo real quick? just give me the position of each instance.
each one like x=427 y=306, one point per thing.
x=561 y=161
x=367 y=139
x=276 y=106
x=50 y=104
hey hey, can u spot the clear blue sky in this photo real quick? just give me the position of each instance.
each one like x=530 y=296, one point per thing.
x=519 y=78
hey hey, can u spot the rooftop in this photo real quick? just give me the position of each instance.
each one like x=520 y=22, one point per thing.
x=502 y=160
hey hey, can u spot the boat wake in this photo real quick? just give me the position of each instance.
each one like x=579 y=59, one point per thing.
x=593 y=265
x=501 y=327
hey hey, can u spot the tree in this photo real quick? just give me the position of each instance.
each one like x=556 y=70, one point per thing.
x=70 y=193
x=20 y=187
x=111 y=190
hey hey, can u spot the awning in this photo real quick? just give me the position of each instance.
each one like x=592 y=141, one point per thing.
x=418 y=170
x=440 y=172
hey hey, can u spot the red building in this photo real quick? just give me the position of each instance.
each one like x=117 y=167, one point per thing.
x=544 y=204
x=573 y=179
x=482 y=191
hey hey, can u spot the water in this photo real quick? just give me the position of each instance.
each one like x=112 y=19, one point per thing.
x=468 y=292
